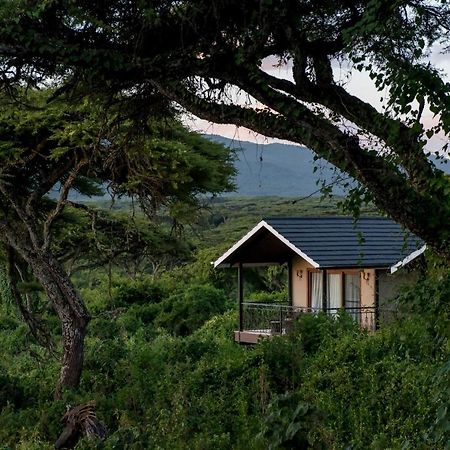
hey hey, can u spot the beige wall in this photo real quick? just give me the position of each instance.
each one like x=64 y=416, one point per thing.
x=368 y=288
x=300 y=284
x=300 y=281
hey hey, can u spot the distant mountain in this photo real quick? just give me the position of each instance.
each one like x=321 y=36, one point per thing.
x=441 y=163
x=279 y=169
x=285 y=170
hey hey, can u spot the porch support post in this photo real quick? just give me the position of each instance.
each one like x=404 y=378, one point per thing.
x=290 y=300
x=324 y=290
x=240 y=296
x=377 y=300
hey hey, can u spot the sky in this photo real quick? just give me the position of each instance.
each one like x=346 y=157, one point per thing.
x=358 y=84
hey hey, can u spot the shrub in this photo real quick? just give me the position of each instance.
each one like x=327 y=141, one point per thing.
x=139 y=292
x=269 y=297
x=183 y=313
x=371 y=391
x=288 y=423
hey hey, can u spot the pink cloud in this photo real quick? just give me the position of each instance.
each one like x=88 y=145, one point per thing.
x=231 y=131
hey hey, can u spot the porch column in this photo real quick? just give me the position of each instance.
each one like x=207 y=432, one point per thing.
x=290 y=282
x=377 y=300
x=240 y=296
x=324 y=290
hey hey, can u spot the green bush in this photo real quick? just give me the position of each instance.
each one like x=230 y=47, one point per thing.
x=139 y=293
x=167 y=374
x=183 y=313
x=371 y=391
x=288 y=423
x=269 y=297
x=11 y=392
x=8 y=323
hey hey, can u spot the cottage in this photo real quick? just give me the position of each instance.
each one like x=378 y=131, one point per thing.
x=333 y=264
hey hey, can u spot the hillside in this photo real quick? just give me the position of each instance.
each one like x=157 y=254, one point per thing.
x=278 y=169
x=274 y=170
x=285 y=170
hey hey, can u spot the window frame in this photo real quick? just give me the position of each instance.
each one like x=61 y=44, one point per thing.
x=343 y=273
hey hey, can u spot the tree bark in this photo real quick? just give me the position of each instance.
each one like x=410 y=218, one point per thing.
x=71 y=312
x=66 y=302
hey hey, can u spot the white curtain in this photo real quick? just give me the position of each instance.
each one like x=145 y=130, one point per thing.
x=334 y=291
x=352 y=294
x=316 y=290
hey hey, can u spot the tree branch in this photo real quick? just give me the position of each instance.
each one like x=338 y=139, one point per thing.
x=28 y=220
x=48 y=179
x=418 y=212
x=397 y=136
x=61 y=203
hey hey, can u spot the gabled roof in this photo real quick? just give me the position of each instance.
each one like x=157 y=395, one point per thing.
x=334 y=242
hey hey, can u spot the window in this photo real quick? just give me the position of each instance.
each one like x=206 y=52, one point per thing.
x=316 y=290
x=334 y=291
x=352 y=294
x=343 y=291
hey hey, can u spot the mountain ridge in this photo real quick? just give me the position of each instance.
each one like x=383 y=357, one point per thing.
x=277 y=170
x=287 y=170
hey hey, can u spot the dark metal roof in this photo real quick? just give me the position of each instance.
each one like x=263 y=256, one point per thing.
x=333 y=241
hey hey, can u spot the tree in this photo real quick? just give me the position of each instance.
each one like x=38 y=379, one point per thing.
x=82 y=146
x=199 y=53
x=88 y=237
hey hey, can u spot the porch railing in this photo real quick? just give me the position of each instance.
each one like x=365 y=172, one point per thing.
x=272 y=318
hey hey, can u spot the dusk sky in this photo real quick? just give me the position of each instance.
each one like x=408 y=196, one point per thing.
x=358 y=84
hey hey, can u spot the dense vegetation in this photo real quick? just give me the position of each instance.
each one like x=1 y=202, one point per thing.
x=162 y=365
x=91 y=95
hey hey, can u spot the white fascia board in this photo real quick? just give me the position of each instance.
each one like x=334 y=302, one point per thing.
x=239 y=243
x=408 y=259
x=264 y=224
x=290 y=245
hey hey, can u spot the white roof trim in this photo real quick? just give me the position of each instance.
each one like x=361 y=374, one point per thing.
x=408 y=259
x=264 y=224
x=239 y=243
x=291 y=246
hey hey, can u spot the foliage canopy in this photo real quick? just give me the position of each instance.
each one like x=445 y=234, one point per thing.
x=200 y=54
x=87 y=144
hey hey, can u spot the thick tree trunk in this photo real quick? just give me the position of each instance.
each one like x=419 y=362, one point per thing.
x=67 y=304
x=71 y=312
x=73 y=334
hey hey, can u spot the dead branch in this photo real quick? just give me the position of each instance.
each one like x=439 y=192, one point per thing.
x=80 y=421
